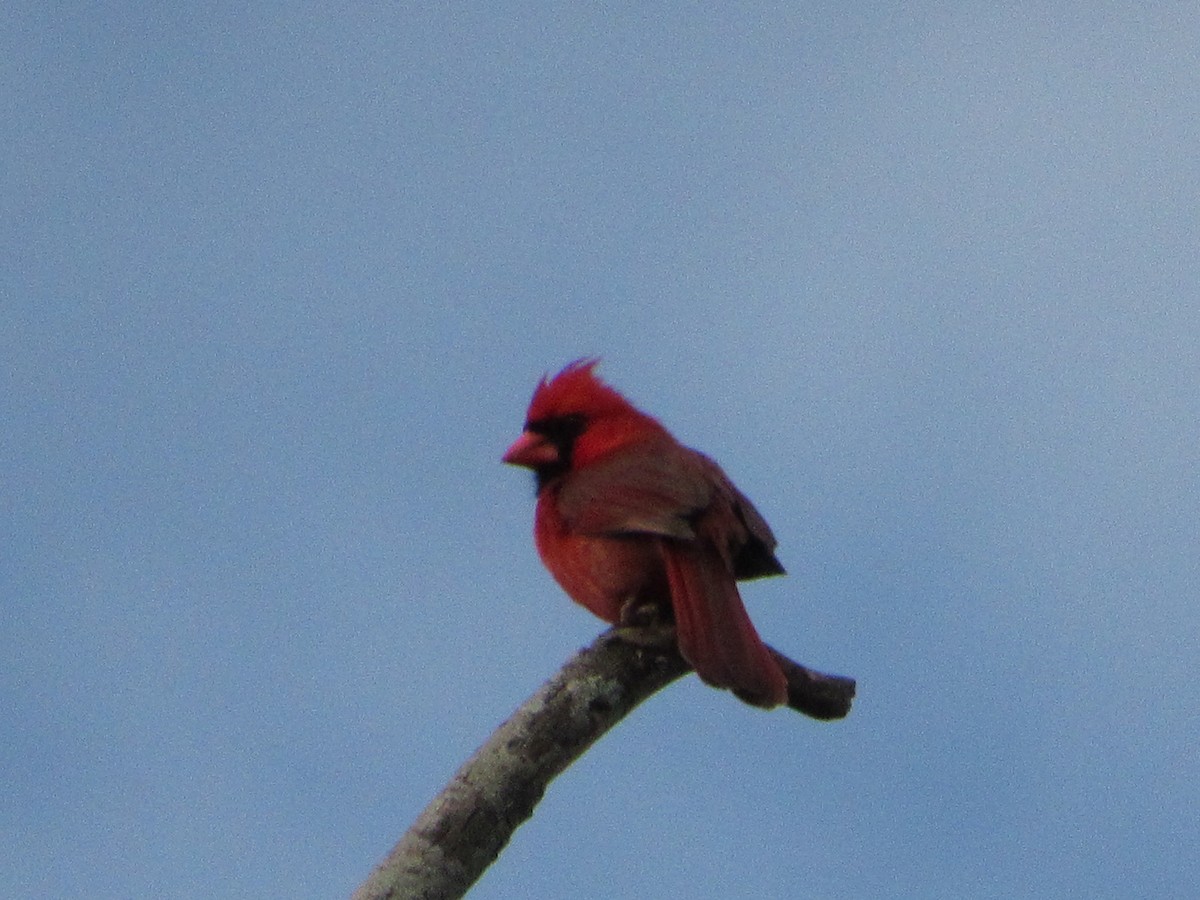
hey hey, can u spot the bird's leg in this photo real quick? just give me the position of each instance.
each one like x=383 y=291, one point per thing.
x=645 y=624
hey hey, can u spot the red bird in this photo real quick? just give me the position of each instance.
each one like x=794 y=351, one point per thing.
x=629 y=519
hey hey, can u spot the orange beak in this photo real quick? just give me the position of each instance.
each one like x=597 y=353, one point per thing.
x=531 y=451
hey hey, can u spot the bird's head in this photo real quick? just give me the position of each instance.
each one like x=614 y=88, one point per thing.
x=573 y=419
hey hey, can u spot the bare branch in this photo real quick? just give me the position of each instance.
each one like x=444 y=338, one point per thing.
x=815 y=693
x=462 y=831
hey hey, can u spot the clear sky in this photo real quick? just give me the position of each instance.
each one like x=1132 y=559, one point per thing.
x=276 y=284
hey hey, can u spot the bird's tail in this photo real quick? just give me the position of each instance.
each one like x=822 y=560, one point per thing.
x=715 y=634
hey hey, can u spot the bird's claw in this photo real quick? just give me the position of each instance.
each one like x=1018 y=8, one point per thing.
x=650 y=637
x=645 y=625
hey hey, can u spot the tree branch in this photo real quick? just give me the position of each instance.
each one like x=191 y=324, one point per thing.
x=462 y=831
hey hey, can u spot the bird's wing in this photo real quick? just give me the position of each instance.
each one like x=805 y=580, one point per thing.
x=652 y=488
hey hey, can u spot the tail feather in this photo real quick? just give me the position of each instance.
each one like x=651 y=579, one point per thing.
x=715 y=634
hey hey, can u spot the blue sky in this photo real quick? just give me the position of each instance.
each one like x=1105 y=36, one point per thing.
x=276 y=287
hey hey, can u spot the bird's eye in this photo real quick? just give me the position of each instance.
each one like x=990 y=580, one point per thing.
x=559 y=429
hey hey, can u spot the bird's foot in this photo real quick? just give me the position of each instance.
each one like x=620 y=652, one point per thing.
x=645 y=625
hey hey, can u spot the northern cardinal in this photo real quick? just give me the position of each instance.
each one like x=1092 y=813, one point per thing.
x=629 y=520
